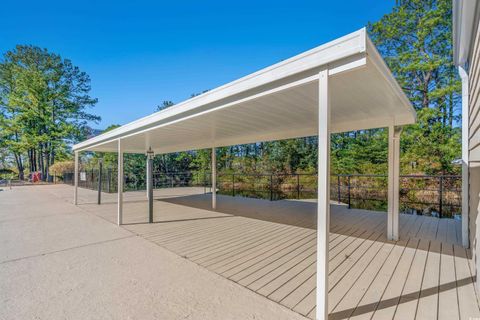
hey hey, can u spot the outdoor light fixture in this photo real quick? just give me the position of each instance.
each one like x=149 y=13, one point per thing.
x=150 y=154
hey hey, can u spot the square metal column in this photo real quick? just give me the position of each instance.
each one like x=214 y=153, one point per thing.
x=120 y=184
x=323 y=205
x=75 y=177
x=393 y=182
x=214 y=179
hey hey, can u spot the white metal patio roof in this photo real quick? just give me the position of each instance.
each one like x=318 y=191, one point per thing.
x=278 y=102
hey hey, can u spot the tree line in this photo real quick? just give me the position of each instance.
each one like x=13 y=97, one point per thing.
x=43 y=103
x=44 y=98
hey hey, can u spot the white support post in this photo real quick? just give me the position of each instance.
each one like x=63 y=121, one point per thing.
x=120 y=184
x=323 y=206
x=214 y=179
x=75 y=177
x=465 y=158
x=393 y=182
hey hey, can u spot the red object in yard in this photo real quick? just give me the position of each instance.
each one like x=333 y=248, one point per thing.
x=36 y=176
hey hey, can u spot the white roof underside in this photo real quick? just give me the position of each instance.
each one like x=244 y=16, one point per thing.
x=275 y=103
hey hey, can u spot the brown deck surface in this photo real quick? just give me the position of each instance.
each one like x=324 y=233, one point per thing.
x=269 y=247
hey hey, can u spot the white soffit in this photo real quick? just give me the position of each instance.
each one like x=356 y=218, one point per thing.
x=465 y=23
x=278 y=102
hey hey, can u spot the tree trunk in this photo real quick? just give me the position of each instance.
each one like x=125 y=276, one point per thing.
x=21 y=169
x=34 y=160
x=45 y=175
x=30 y=158
x=40 y=159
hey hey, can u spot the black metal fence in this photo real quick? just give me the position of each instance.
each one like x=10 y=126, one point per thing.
x=89 y=179
x=438 y=196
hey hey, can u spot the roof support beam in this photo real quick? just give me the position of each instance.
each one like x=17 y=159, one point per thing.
x=120 y=184
x=393 y=182
x=75 y=190
x=214 y=179
x=150 y=185
x=323 y=207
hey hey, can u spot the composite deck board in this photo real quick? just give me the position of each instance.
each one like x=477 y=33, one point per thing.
x=376 y=289
x=240 y=249
x=428 y=303
x=448 y=288
x=253 y=247
x=387 y=305
x=408 y=303
x=180 y=234
x=263 y=280
x=270 y=248
x=442 y=230
x=343 y=282
x=465 y=287
x=215 y=243
x=350 y=301
x=269 y=257
x=452 y=232
x=349 y=259
x=284 y=283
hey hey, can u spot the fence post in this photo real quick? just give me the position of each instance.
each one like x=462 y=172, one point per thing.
x=298 y=186
x=440 y=200
x=338 y=189
x=233 y=185
x=349 y=203
x=204 y=183
x=100 y=164
x=109 y=177
x=271 y=187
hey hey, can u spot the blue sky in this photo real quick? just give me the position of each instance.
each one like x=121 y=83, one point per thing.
x=139 y=53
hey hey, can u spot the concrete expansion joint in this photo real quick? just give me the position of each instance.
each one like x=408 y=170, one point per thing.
x=67 y=249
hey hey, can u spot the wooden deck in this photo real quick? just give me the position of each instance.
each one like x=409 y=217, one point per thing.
x=270 y=248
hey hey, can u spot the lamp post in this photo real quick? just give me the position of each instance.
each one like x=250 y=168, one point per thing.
x=150 y=155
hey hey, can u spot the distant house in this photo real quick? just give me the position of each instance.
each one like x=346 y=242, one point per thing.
x=466 y=35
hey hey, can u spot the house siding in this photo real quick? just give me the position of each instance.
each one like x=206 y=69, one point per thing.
x=474 y=151
x=474 y=103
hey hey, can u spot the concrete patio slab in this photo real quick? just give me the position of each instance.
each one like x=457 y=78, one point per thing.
x=61 y=262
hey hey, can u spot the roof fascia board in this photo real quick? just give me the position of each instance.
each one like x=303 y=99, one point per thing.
x=284 y=134
x=370 y=124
